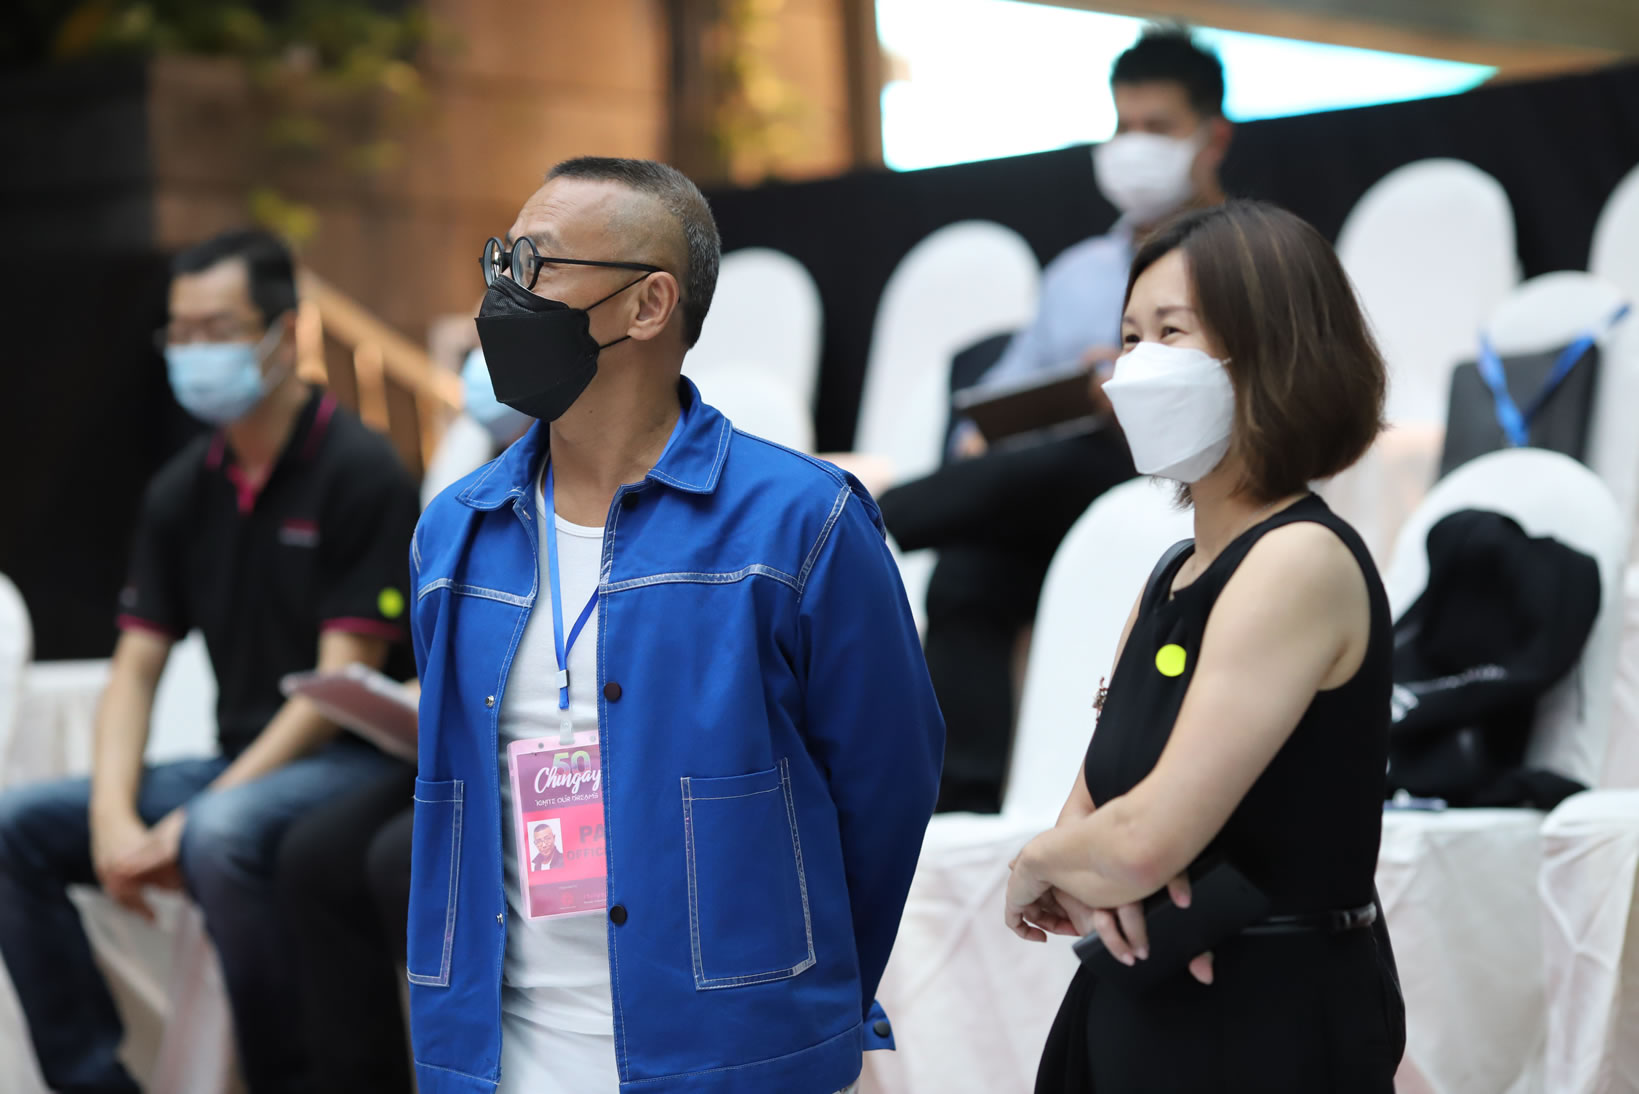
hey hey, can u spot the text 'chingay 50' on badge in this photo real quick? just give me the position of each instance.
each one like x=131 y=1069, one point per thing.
x=557 y=813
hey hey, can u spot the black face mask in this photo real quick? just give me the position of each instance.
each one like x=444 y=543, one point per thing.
x=540 y=352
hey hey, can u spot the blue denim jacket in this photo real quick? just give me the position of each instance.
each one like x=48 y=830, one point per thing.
x=771 y=751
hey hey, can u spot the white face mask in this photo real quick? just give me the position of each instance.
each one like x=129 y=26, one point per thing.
x=1145 y=175
x=1177 y=408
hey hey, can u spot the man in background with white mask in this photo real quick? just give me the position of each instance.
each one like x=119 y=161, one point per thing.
x=280 y=535
x=997 y=517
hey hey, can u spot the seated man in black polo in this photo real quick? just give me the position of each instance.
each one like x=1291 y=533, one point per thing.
x=281 y=536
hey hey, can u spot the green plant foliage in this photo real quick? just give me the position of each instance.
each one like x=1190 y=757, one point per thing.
x=759 y=118
x=336 y=79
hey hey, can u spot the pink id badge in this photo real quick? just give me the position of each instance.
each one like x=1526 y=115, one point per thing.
x=557 y=818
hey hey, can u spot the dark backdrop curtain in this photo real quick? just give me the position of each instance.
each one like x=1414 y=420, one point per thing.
x=1557 y=146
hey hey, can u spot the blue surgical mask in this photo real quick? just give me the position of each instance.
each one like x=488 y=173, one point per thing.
x=501 y=422
x=219 y=382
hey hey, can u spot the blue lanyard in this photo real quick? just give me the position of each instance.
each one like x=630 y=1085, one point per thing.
x=1516 y=423
x=563 y=647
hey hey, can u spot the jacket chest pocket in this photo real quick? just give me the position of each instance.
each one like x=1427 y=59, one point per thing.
x=435 y=865
x=749 y=920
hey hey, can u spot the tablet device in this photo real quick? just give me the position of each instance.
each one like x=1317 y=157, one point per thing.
x=1044 y=400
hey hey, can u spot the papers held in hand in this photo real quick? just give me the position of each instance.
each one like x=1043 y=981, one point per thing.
x=1060 y=398
x=381 y=710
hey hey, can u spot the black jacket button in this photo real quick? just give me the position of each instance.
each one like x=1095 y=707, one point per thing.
x=611 y=692
x=881 y=1028
x=617 y=914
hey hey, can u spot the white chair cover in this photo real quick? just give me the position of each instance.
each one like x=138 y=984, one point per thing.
x=1556 y=309
x=16 y=651
x=759 y=403
x=1622 y=750
x=766 y=310
x=1615 y=252
x=1459 y=888
x=970 y=1003
x=196 y=1054
x=961 y=283
x=1096 y=575
x=1590 y=871
x=21 y=1075
x=138 y=958
x=1440 y=231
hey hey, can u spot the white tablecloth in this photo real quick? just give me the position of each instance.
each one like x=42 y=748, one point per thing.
x=1459 y=892
x=1590 y=867
x=970 y=1002
x=1622 y=750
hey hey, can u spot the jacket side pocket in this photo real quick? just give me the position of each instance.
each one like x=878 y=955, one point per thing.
x=435 y=865
x=749 y=920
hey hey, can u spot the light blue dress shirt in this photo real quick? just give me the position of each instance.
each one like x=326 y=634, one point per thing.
x=1080 y=309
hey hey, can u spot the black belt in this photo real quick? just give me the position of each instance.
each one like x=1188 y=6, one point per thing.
x=1345 y=919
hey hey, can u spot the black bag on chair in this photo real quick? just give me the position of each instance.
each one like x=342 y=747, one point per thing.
x=1503 y=618
x=1540 y=400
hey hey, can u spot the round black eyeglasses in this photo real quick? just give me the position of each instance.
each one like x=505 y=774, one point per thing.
x=523 y=262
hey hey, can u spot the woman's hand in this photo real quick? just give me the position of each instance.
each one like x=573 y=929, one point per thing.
x=1125 y=933
x=1033 y=906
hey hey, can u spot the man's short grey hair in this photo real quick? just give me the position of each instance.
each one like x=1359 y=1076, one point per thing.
x=687 y=205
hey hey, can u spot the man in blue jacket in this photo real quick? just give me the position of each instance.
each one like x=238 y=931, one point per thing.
x=691 y=648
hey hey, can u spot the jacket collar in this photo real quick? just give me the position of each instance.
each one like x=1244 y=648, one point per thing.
x=692 y=462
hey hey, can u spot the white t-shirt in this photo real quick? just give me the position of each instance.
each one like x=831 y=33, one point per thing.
x=557 y=1024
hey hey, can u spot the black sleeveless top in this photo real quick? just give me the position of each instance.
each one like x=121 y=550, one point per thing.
x=1307 y=831
x=1289 y=1013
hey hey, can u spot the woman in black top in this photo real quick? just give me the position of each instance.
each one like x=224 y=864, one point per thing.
x=1246 y=721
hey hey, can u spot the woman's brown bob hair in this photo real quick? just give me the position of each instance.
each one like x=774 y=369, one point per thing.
x=1308 y=379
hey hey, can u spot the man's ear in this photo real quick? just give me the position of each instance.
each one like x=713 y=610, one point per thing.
x=284 y=350
x=657 y=299
x=1220 y=130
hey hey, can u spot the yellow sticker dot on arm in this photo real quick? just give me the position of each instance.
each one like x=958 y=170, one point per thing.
x=1169 y=660
x=390 y=603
